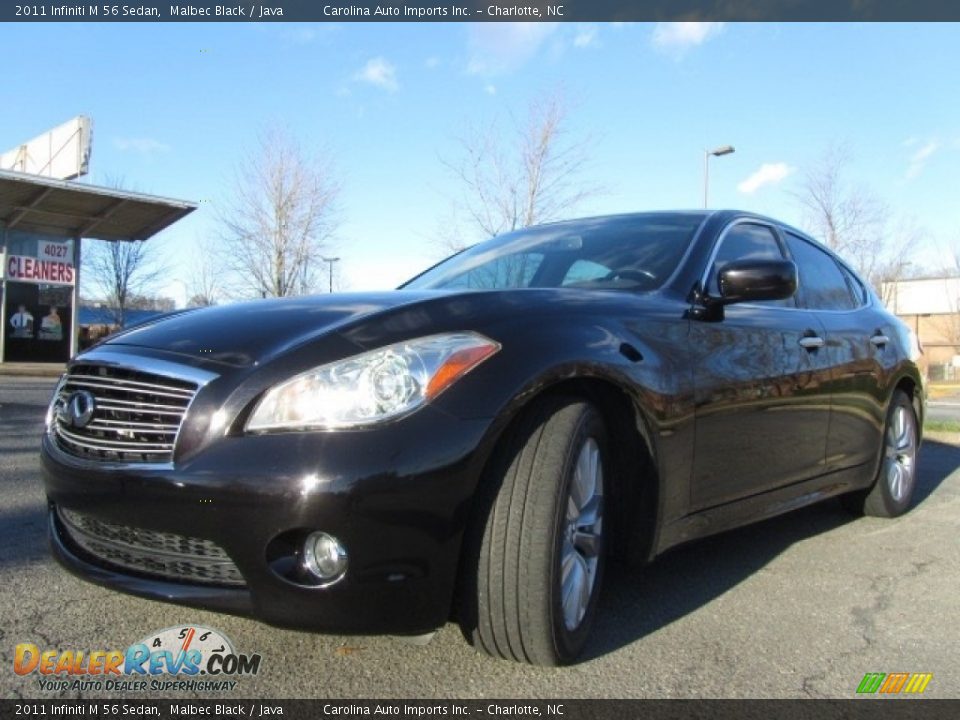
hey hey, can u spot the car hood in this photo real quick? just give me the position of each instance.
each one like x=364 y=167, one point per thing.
x=254 y=333
x=243 y=334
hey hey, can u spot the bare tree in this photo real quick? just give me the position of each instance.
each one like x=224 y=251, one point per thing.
x=122 y=271
x=529 y=172
x=853 y=222
x=282 y=216
x=204 y=285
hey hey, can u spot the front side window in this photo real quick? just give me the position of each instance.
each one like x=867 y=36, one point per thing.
x=822 y=284
x=746 y=241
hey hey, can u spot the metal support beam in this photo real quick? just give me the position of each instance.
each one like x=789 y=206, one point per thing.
x=163 y=222
x=3 y=292
x=85 y=230
x=75 y=305
x=22 y=211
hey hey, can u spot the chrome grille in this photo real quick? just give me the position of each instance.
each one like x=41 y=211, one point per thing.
x=160 y=554
x=136 y=415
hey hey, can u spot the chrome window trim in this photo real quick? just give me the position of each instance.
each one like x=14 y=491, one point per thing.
x=686 y=253
x=836 y=259
x=778 y=231
x=712 y=258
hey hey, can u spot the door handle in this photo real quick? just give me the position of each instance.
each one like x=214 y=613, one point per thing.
x=811 y=342
x=879 y=340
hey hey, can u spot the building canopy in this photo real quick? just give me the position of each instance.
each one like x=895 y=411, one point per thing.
x=59 y=208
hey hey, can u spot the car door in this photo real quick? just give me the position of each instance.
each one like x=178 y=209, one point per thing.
x=858 y=346
x=761 y=382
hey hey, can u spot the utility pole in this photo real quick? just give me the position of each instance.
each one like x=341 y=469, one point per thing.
x=330 y=261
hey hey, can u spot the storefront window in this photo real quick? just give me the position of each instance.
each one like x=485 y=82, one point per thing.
x=38 y=284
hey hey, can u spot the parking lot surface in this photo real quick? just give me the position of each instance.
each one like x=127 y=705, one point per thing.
x=799 y=606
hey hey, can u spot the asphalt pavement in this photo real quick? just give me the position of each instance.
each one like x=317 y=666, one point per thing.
x=798 y=606
x=947 y=410
x=943 y=405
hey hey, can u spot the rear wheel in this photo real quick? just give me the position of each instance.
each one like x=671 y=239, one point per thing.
x=896 y=480
x=540 y=541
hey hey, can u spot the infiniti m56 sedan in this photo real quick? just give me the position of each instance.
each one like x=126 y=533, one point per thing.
x=478 y=444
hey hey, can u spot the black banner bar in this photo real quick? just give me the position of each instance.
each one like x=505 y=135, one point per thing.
x=485 y=709
x=481 y=11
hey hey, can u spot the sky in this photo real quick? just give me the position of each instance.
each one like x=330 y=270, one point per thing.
x=176 y=107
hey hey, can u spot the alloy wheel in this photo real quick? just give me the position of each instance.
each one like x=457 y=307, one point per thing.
x=581 y=548
x=900 y=454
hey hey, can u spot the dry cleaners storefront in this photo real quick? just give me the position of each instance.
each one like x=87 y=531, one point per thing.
x=42 y=224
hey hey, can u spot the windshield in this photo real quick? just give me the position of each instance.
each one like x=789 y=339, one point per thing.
x=633 y=253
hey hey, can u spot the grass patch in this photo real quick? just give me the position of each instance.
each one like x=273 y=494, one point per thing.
x=938 y=392
x=945 y=426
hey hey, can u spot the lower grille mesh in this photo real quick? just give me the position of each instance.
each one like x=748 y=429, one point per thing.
x=165 y=555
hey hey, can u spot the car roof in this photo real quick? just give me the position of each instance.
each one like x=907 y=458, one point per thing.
x=626 y=216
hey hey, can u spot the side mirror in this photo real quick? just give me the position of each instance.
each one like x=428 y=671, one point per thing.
x=757 y=280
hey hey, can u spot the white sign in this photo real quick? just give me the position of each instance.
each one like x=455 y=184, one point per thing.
x=55 y=251
x=38 y=270
x=62 y=153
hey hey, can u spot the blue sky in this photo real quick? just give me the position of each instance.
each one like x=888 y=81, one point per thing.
x=175 y=107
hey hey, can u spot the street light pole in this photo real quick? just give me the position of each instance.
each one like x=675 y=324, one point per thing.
x=330 y=261
x=716 y=152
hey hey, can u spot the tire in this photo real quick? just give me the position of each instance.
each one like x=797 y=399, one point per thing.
x=892 y=490
x=546 y=479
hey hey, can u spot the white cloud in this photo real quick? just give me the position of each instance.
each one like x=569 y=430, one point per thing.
x=766 y=174
x=678 y=37
x=144 y=146
x=496 y=48
x=919 y=158
x=431 y=62
x=490 y=89
x=380 y=72
x=586 y=37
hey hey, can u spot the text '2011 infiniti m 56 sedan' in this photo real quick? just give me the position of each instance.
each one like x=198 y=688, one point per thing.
x=476 y=445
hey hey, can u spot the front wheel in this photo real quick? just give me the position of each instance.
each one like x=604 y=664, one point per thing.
x=540 y=540
x=892 y=491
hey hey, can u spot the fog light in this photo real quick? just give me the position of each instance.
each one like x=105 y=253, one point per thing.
x=324 y=556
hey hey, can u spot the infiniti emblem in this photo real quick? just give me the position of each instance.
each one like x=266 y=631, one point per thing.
x=77 y=409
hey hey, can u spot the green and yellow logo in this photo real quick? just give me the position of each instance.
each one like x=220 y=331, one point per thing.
x=894 y=683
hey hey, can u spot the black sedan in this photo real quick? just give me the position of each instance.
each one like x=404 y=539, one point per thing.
x=478 y=444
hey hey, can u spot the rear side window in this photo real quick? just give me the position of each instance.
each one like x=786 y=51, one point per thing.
x=822 y=284
x=746 y=241
x=856 y=287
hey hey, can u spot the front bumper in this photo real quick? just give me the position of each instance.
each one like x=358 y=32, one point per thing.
x=398 y=498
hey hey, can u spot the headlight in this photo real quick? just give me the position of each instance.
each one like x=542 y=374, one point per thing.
x=373 y=387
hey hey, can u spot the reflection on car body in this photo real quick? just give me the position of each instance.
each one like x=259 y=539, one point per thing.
x=478 y=444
